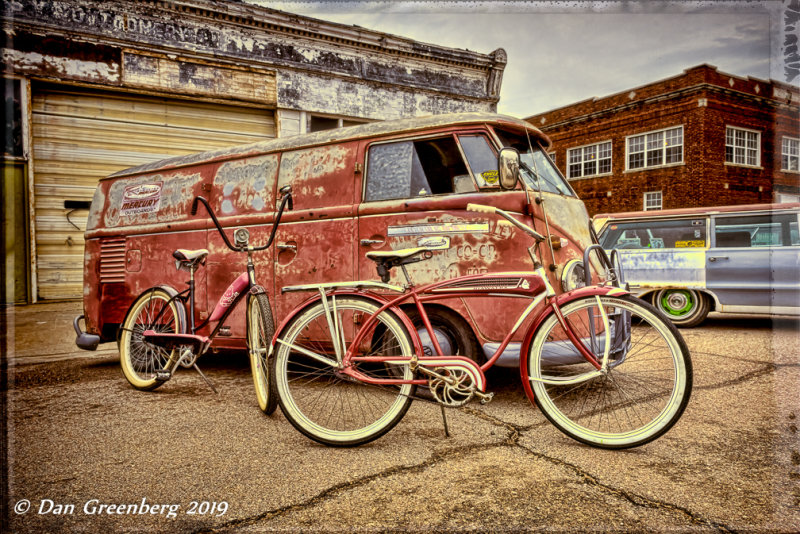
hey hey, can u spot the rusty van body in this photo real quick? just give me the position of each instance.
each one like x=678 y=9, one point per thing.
x=385 y=185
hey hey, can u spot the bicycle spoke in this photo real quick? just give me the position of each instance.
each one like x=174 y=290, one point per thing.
x=637 y=399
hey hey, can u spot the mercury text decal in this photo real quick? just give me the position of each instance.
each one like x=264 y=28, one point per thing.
x=143 y=198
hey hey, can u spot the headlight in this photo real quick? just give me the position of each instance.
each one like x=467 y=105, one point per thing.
x=573 y=277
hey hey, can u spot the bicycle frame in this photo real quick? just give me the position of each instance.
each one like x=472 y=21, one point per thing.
x=532 y=285
x=233 y=294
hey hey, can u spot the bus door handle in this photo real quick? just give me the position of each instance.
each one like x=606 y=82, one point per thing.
x=712 y=259
x=370 y=242
x=287 y=246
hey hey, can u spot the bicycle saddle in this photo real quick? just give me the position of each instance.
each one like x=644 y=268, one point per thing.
x=189 y=259
x=394 y=257
x=386 y=259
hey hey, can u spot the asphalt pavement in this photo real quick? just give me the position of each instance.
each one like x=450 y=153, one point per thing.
x=88 y=453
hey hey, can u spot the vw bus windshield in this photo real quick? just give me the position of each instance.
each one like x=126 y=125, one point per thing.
x=536 y=168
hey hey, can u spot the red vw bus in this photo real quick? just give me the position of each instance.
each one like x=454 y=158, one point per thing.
x=378 y=186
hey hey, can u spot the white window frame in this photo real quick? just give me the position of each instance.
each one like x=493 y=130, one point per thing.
x=788 y=154
x=747 y=149
x=308 y=116
x=650 y=195
x=783 y=198
x=644 y=151
x=583 y=149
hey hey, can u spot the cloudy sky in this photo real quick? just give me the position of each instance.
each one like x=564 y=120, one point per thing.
x=562 y=52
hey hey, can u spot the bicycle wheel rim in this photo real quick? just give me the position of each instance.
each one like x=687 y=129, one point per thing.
x=141 y=361
x=647 y=386
x=327 y=406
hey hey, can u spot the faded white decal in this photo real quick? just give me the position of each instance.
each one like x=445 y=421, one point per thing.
x=143 y=198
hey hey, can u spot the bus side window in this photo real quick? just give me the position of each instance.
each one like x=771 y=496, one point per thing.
x=409 y=169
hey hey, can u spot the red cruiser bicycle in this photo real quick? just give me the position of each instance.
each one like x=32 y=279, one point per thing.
x=154 y=341
x=603 y=366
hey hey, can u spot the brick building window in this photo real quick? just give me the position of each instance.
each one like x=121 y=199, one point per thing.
x=790 y=154
x=591 y=160
x=655 y=149
x=652 y=200
x=742 y=146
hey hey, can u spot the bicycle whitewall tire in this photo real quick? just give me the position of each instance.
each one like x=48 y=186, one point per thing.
x=260 y=329
x=647 y=386
x=155 y=309
x=326 y=405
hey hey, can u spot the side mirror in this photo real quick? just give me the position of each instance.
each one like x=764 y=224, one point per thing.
x=508 y=165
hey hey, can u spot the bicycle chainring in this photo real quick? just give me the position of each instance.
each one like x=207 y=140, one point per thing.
x=451 y=386
x=188 y=357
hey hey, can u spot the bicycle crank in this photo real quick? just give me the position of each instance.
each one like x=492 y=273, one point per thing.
x=454 y=386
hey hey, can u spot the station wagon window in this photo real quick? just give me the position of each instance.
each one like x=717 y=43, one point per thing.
x=649 y=234
x=756 y=231
x=409 y=169
x=537 y=169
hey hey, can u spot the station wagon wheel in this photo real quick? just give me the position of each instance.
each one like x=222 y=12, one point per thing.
x=683 y=307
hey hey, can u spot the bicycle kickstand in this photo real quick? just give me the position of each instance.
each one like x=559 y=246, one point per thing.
x=444 y=420
x=207 y=381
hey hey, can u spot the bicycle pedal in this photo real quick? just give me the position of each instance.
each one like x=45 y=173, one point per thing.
x=163 y=376
x=486 y=398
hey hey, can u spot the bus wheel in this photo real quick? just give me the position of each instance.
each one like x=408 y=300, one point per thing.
x=452 y=332
x=684 y=307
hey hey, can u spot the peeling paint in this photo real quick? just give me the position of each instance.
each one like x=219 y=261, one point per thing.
x=353 y=133
x=176 y=196
x=263 y=38
x=245 y=186
x=62 y=67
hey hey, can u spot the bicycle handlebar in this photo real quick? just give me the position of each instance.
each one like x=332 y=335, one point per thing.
x=482 y=208
x=286 y=191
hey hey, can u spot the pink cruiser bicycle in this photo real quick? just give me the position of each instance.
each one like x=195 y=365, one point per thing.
x=603 y=366
x=154 y=339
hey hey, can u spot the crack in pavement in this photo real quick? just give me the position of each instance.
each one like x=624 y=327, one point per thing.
x=765 y=369
x=342 y=487
x=514 y=433
x=588 y=478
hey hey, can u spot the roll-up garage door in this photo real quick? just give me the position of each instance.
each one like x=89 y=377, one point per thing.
x=80 y=137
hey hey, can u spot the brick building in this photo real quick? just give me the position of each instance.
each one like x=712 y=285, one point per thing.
x=95 y=87
x=701 y=138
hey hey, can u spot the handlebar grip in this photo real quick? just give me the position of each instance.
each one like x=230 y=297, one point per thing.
x=481 y=208
x=194 y=206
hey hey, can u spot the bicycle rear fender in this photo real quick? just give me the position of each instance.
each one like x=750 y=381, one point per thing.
x=379 y=301
x=562 y=300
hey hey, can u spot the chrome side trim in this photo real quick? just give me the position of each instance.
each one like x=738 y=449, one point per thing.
x=343 y=285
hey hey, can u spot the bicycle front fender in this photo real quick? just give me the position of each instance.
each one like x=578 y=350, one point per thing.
x=561 y=300
x=376 y=298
